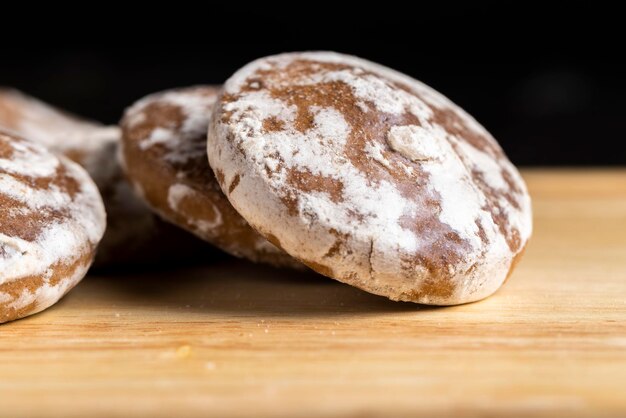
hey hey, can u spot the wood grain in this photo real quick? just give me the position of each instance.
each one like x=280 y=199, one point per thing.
x=238 y=340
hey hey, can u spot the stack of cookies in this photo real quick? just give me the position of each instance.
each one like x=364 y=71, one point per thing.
x=316 y=160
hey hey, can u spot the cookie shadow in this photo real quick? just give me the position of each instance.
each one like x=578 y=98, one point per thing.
x=239 y=288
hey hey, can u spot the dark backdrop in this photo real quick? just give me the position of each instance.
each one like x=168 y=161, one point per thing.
x=547 y=81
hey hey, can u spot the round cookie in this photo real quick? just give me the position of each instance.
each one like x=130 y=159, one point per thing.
x=164 y=155
x=51 y=222
x=134 y=235
x=370 y=177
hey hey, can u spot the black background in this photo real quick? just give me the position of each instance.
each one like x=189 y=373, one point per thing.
x=547 y=81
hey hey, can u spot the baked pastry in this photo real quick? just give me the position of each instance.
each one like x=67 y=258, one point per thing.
x=51 y=222
x=134 y=235
x=369 y=177
x=164 y=156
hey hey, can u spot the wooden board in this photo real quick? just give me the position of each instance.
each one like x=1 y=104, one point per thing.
x=233 y=339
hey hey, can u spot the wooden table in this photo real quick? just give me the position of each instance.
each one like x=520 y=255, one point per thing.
x=234 y=339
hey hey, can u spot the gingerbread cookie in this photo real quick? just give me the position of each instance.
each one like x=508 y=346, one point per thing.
x=164 y=155
x=51 y=222
x=369 y=177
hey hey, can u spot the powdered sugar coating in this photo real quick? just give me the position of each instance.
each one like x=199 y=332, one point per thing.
x=370 y=177
x=53 y=218
x=43 y=296
x=178 y=193
x=164 y=154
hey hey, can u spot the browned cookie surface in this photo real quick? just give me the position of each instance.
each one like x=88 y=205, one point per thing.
x=51 y=222
x=370 y=177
